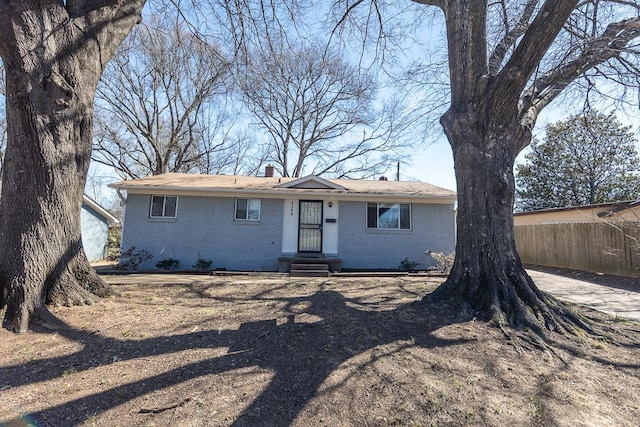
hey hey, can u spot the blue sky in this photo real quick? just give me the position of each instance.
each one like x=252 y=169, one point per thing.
x=433 y=163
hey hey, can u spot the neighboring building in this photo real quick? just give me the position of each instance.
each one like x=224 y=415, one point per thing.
x=260 y=223
x=94 y=226
x=603 y=212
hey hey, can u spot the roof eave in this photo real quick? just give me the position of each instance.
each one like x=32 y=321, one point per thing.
x=99 y=209
x=280 y=193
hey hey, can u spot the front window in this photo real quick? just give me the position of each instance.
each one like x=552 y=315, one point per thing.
x=389 y=215
x=163 y=206
x=248 y=209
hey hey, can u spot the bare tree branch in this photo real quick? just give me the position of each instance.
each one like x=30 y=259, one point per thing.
x=153 y=101
x=438 y=3
x=313 y=104
x=510 y=38
x=608 y=46
x=528 y=54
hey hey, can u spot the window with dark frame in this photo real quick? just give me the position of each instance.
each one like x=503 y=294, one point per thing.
x=248 y=209
x=389 y=216
x=163 y=206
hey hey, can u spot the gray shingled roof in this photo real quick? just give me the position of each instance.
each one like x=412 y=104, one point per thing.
x=194 y=183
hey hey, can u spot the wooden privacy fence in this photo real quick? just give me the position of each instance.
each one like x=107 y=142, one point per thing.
x=597 y=247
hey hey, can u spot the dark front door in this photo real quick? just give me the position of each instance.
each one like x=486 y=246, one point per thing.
x=310 y=226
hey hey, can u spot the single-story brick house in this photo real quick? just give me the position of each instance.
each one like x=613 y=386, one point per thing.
x=251 y=223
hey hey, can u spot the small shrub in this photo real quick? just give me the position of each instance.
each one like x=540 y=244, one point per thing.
x=168 y=264
x=407 y=265
x=202 y=264
x=444 y=262
x=132 y=258
x=113 y=243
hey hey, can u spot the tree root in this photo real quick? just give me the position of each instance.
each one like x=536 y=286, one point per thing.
x=86 y=275
x=43 y=318
x=71 y=294
x=78 y=285
x=72 y=283
x=163 y=408
x=526 y=316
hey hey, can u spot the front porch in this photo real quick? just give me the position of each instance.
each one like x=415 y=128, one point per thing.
x=306 y=262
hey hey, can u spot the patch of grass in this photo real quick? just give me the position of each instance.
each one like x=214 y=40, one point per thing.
x=69 y=371
x=619 y=319
x=538 y=411
x=457 y=385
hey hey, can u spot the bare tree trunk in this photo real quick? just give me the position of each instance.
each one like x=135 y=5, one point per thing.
x=487 y=126
x=42 y=259
x=487 y=272
x=52 y=67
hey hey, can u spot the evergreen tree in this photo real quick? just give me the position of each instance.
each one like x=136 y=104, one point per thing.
x=584 y=160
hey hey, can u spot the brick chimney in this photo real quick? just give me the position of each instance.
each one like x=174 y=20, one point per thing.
x=268 y=171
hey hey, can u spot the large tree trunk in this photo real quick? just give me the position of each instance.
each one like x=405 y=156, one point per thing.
x=487 y=125
x=52 y=68
x=487 y=272
x=49 y=120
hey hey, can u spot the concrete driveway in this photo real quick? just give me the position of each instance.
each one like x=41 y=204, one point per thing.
x=614 y=295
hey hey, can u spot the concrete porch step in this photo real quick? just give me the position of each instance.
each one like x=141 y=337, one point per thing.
x=309 y=270
x=322 y=267
x=308 y=273
x=288 y=263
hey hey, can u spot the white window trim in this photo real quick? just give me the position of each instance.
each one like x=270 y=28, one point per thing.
x=235 y=210
x=164 y=206
x=398 y=228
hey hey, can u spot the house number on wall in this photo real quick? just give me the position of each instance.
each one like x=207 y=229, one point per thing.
x=291 y=208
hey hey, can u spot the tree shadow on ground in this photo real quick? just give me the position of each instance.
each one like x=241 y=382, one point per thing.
x=301 y=355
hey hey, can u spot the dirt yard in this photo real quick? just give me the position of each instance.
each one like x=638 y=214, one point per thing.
x=274 y=351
